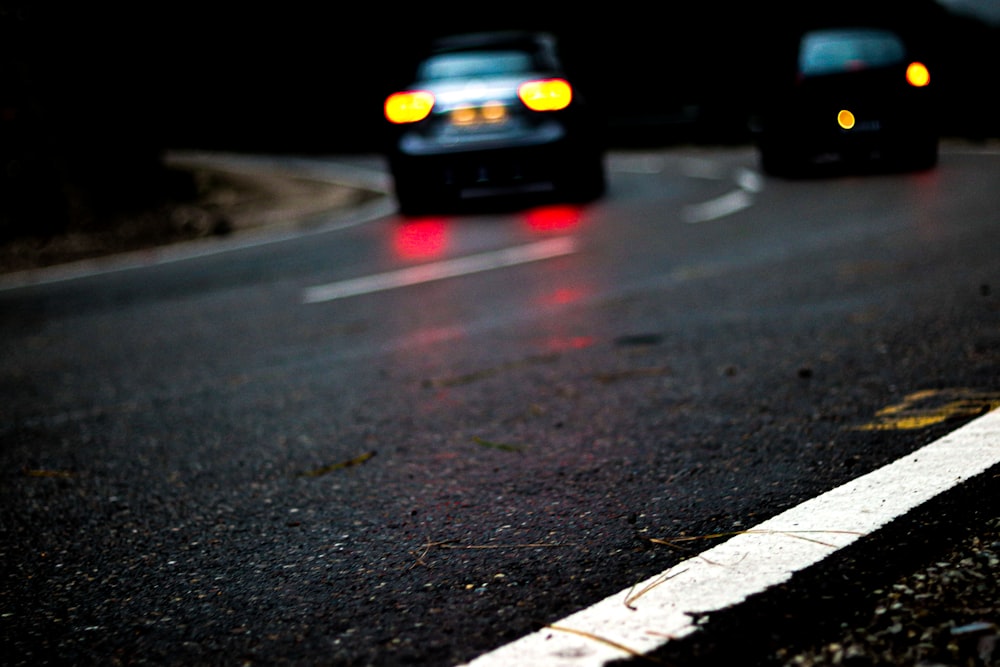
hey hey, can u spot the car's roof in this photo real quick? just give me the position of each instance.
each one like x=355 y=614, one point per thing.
x=509 y=39
x=852 y=32
x=539 y=47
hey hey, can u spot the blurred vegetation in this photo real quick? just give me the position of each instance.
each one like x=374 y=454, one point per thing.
x=92 y=97
x=79 y=142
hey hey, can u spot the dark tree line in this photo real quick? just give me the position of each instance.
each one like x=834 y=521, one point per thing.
x=91 y=98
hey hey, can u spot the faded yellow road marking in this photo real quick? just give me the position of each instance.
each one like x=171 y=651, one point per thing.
x=933 y=406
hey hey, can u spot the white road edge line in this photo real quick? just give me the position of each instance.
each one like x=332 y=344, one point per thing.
x=651 y=613
x=194 y=249
x=532 y=252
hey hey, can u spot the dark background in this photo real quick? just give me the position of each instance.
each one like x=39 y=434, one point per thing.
x=92 y=97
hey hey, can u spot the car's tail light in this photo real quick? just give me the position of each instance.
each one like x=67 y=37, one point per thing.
x=918 y=75
x=845 y=119
x=546 y=95
x=408 y=107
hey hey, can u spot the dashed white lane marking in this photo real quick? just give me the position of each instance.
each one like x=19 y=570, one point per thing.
x=651 y=613
x=748 y=184
x=749 y=180
x=720 y=207
x=532 y=252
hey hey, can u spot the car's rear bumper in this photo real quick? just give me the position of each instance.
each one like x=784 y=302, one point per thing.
x=416 y=144
x=493 y=170
x=809 y=139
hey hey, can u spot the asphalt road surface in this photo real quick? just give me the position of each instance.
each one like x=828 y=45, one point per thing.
x=387 y=441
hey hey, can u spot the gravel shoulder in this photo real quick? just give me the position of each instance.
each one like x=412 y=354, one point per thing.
x=942 y=613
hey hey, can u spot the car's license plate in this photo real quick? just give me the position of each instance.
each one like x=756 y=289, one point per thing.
x=476 y=117
x=868 y=126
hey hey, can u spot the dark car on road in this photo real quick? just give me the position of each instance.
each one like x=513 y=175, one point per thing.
x=491 y=115
x=856 y=96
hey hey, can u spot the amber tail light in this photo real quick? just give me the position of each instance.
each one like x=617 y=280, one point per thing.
x=546 y=94
x=917 y=75
x=410 y=106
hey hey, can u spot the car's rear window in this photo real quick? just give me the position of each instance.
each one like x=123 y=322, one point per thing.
x=835 y=51
x=480 y=63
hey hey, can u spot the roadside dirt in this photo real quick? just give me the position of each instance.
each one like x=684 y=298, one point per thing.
x=212 y=202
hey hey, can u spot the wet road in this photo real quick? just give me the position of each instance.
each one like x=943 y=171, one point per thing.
x=316 y=452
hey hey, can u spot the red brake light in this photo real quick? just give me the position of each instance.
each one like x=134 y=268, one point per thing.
x=408 y=107
x=546 y=95
x=918 y=75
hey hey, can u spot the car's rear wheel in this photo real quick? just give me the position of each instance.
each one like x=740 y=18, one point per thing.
x=412 y=197
x=776 y=162
x=587 y=181
x=924 y=154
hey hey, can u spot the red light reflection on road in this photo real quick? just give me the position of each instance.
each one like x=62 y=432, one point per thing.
x=433 y=336
x=557 y=218
x=568 y=343
x=932 y=224
x=563 y=296
x=421 y=239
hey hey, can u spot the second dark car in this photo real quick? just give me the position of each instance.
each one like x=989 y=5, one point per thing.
x=857 y=95
x=491 y=115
